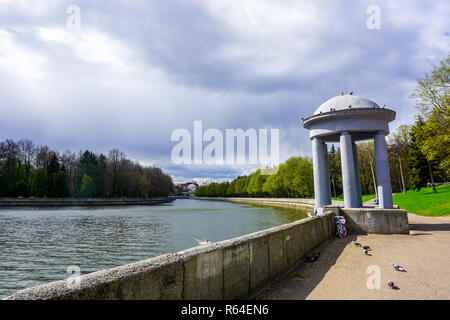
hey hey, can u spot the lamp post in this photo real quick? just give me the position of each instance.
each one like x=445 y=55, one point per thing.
x=401 y=171
x=334 y=188
x=373 y=175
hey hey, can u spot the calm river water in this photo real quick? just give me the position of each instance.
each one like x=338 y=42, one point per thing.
x=38 y=245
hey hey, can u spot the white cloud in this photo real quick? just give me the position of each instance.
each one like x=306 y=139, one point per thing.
x=19 y=60
x=135 y=73
x=90 y=45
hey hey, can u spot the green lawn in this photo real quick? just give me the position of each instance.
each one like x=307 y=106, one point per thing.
x=425 y=202
x=365 y=198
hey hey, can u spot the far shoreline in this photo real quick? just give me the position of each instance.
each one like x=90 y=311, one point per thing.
x=73 y=202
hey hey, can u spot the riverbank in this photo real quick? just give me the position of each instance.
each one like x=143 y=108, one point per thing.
x=301 y=203
x=341 y=271
x=55 y=202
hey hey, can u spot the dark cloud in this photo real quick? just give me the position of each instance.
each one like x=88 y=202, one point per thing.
x=138 y=71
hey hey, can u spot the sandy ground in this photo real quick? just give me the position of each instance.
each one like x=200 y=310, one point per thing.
x=341 y=271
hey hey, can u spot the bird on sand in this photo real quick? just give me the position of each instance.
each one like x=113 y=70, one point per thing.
x=398 y=267
x=312 y=258
x=392 y=285
x=356 y=243
x=367 y=248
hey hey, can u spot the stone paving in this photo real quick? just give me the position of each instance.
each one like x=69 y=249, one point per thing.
x=341 y=271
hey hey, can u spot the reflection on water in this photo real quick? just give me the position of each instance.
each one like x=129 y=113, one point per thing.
x=37 y=245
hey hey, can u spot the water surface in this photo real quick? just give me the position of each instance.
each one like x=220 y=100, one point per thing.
x=38 y=245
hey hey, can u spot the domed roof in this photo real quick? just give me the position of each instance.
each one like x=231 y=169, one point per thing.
x=342 y=102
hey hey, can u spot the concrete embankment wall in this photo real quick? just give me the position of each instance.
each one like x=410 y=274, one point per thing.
x=358 y=220
x=307 y=204
x=373 y=220
x=229 y=269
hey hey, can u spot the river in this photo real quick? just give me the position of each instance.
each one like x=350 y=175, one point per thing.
x=38 y=245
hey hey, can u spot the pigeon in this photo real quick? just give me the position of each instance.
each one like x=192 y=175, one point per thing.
x=398 y=267
x=392 y=285
x=367 y=248
x=356 y=243
x=312 y=258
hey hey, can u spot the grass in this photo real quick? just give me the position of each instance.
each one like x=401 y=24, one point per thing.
x=425 y=202
x=365 y=198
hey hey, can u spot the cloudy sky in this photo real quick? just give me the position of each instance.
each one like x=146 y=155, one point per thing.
x=134 y=71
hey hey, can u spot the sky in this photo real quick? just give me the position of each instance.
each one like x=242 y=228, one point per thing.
x=119 y=74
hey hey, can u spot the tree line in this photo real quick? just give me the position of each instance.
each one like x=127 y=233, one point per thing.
x=419 y=154
x=293 y=179
x=30 y=170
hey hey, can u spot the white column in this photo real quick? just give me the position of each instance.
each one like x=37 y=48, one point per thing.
x=326 y=173
x=320 y=193
x=348 y=171
x=383 y=176
x=357 y=175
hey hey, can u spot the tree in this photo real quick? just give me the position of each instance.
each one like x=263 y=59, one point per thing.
x=433 y=101
x=367 y=167
x=304 y=179
x=273 y=186
x=53 y=164
x=334 y=165
x=22 y=189
x=39 y=186
x=58 y=185
x=255 y=184
x=417 y=162
x=432 y=91
x=88 y=187
x=88 y=166
x=27 y=152
x=399 y=145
